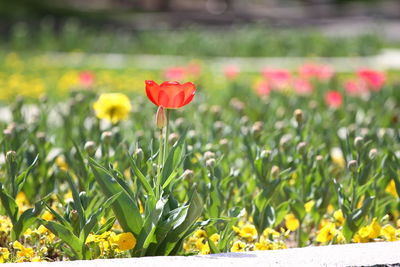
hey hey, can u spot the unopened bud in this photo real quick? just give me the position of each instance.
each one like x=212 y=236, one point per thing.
x=41 y=137
x=209 y=155
x=188 y=174
x=275 y=172
x=257 y=127
x=301 y=147
x=284 y=141
x=265 y=154
x=139 y=154
x=210 y=163
x=10 y=156
x=224 y=143
x=161 y=118
x=237 y=104
x=352 y=165
x=90 y=148
x=373 y=153
x=173 y=138
x=298 y=115
x=215 y=110
x=358 y=142
x=74 y=216
x=106 y=137
x=319 y=159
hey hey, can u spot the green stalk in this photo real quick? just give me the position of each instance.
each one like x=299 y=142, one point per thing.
x=160 y=162
x=166 y=136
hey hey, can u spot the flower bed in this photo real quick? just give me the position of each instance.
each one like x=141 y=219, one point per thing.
x=223 y=163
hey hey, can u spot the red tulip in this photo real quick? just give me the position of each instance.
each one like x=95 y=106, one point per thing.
x=302 y=86
x=278 y=79
x=355 y=87
x=319 y=72
x=170 y=94
x=86 y=78
x=333 y=99
x=374 y=79
x=262 y=88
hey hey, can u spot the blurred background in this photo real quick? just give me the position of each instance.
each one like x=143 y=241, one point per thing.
x=202 y=27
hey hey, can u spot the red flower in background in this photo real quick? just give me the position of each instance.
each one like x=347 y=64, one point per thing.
x=170 y=94
x=374 y=79
x=231 y=71
x=319 y=72
x=333 y=99
x=302 y=86
x=355 y=87
x=263 y=88
x=175 y=73
x=278 y=78
x=86 y=78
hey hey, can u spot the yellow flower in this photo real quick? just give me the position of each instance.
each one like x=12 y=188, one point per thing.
x=338 y=215
x=23 y=251
x=291 y=222
x=391 y=188
x=22 y=202
x=309 y=205
x=329 y=209
x=125 y=241
x=4 y=254
x=112 y=106
x=248 y=232
x=269 y=231
x=47 y=216
x=61 y=163
x=389 y=232
x=238 y=246
x=200 y=233
x=327 y=233
x=215 y=238
x=370 y=231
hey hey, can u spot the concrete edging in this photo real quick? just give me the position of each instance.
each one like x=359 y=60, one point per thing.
x=335 y=255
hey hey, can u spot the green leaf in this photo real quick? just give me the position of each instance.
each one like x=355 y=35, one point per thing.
x=9 y=204
x=20 y=180
x=106 y=226
x=141 y=177
x=173 y=160
x=66 y=236
x=26 y=220
x=125 y=208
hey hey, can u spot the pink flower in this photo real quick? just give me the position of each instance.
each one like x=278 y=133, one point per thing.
x=231 y=71
x=175 y=73
x=333 y=99
x=194 y=69
x=374 y=79
x=302 y=86
x=314 y=71
x=86 y=79
x=355 y=87
x=263 y=88
x=277 y=78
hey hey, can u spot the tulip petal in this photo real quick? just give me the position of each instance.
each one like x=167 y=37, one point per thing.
x=163 y=99
x=178 y=100
x=152 y=90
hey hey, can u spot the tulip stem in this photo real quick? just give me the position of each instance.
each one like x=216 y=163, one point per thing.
x=166 y=136
x=160 y=162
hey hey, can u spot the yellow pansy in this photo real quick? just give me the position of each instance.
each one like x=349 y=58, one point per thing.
x=338 y=215
x=391 y=188
x=125 y=241
x=291 y=222
x=309 y=205
x=389 y=232
x=112 y=106
x=238 y=246
x=248 y=232
x=4 y=254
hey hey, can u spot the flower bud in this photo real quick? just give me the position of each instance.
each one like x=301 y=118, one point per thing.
x=224 y=144
x=90 y=148
x=41 y=137
x=373 y=153
x=298 y=115
x=257 y=127
x=358 y=142
x=319 y=159
x=284 y=141
x=210 y=163
x=215 y=110
x=352 y=165
x=275 y=172
x=106 y=137
x=265 y=154
x=10 y=156
x=209 y=155
x=237 y=104
x=161 y=118
x=173 y=138
x=188 y=174
x=139 y=154
x=8 y=133
x=301 y=148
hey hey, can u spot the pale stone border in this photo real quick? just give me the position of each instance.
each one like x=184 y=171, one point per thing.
x=388 y=59
x=335 y=255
